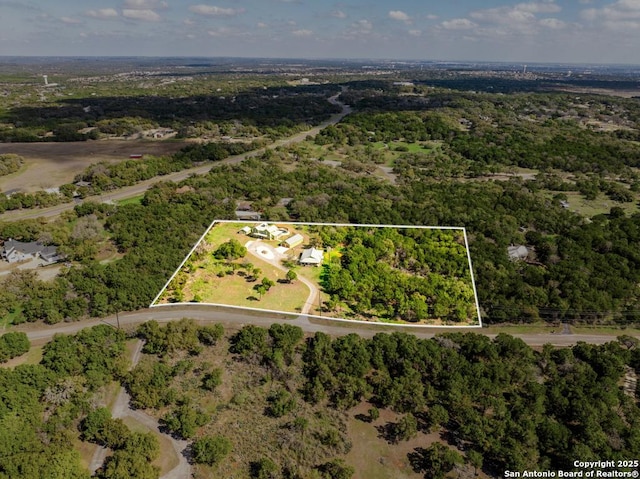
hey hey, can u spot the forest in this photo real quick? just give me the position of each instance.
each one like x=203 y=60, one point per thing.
x=495 y=404
x=427 y=155
x=407 y=274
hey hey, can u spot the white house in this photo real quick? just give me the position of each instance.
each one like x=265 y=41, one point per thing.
x=267 y=231
x=15 y=251
x=311 y=256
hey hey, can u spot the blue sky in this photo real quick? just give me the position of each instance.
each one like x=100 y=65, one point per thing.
x=582 y=31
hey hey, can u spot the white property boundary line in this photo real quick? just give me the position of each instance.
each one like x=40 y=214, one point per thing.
x=290 y=313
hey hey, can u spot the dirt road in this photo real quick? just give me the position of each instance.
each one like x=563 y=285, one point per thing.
x=122 y=408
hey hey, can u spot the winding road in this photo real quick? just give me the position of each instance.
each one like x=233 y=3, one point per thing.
x=122 y=408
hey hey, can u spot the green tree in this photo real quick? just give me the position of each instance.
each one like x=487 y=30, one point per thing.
x=265 y=468
x=212 y=380
x=291 y=276
x=435 y=461
x=210 y=450
x=336 y=469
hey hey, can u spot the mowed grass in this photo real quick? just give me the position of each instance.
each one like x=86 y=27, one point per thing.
x=206 y=286
x=236 y=290
x=134 y=200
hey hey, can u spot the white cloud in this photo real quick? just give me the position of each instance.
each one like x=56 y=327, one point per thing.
x=362 y=26
x=145 y=4
x=262 y=25
x=143 y=15
x=399 y=15
x=552 y=23
x=70 y=20
x=302 y=33
x=415 y=33
x=102 y=14
x=222 y=31
x=213 y=11
x=431 y=16
x=458 y=24
x=338 y=14
x=622 y=15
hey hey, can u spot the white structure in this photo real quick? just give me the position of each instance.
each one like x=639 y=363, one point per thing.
x=311 y=256
x=46 y=80
x=294 y=241
x=267 y=231
x=16 y=251
x=517 y=252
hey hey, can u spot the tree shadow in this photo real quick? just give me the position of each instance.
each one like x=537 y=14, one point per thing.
x=252 y=298
x=388 y=432
x=364 y=418
x=417 y=459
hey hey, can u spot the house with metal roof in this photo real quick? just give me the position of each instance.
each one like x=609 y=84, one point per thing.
x=311 y=256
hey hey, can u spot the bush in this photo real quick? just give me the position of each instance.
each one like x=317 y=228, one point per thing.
x=210 y=450
x=280 y=403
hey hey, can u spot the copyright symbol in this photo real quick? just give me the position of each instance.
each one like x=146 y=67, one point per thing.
x=634 y=473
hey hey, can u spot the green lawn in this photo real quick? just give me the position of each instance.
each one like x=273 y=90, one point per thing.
x=134 y=200
x=206 y=286
x=590 y=208
x=7 y=320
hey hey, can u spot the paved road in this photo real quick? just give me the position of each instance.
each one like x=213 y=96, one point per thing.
x=140 y=188
x=236 y=318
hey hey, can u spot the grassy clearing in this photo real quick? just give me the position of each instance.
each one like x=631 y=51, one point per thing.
x=236 y=290
x=612 y=330
x=33 y=356
x=372 y=456
x=591 y=208
x=86 y=450
x=168 y=458
x=400 y=146
x=541 y=328
x=134 y=200
x=8 y=320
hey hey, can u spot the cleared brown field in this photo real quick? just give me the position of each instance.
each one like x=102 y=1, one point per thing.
x=48 y=165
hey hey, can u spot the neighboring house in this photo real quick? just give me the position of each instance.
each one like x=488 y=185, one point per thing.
x=267 y=231
x=247 y=215
x=311 y=256
x=16 y=251
x=517 y=252
x=294 y=241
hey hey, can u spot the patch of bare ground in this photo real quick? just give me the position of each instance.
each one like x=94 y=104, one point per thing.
x=600 y=91
x=372 y=456
x=49 y=165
